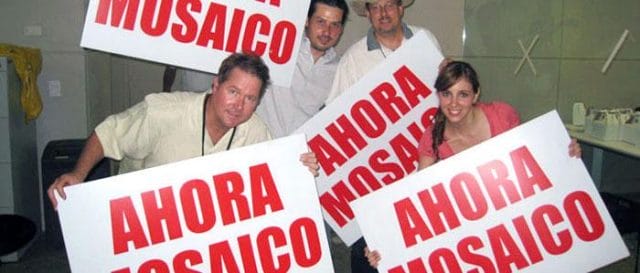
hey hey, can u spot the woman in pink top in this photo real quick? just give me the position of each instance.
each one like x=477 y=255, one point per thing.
x=462 y=121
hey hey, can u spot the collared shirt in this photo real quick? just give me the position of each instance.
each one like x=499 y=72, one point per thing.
x=286 y=109
x=168 y=127
x=363 y=56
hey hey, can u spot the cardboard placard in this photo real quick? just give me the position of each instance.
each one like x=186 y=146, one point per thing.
x=251 y=209
x=516 y=202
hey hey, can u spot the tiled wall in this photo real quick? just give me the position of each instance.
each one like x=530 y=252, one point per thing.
x=575 y=39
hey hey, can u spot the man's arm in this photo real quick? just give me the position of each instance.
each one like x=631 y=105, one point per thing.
x=91 y=154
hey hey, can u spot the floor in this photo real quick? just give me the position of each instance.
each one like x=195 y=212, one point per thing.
x=43 y=258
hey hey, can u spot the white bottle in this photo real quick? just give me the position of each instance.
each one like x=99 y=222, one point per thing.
x=579 y=114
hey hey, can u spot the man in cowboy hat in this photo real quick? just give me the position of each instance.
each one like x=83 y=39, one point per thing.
x=387 y=33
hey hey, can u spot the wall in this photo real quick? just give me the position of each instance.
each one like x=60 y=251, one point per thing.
x=443 y=18
x=575 y=39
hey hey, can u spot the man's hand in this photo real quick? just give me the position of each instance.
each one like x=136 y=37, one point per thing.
x=62 y=181
x=309 y=159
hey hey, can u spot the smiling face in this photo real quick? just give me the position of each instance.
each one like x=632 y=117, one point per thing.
x=385 y=16
x=457 y=101
x=235 y=100
x=324 y=27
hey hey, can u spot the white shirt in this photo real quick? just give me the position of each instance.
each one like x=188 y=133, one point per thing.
x=363 y=56
x=168 y=127
x=286 y=109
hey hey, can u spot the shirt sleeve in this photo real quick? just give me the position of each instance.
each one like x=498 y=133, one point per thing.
x=126 y=134
x=502 y=117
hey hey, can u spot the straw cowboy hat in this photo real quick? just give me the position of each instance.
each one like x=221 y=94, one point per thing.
x=359 y=7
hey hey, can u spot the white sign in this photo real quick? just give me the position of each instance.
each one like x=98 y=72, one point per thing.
x=516 y=202
x=367 y=138
x=199 y=34
x=252 y=209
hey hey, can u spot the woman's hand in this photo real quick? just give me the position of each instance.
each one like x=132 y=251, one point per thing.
x=574 y=149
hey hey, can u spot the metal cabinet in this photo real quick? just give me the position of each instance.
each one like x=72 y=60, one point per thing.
x=19 y=187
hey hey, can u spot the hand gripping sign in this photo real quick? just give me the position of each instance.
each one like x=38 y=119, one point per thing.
x=367 y=138
x=252 y=209
x=199 y=34
x=516 y=202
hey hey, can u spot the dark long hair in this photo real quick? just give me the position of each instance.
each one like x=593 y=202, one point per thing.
x=450 y=75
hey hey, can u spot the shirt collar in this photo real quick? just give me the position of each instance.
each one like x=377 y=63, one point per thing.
x=373 y=44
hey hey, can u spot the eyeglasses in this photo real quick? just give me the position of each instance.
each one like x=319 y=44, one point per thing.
x=386 y=7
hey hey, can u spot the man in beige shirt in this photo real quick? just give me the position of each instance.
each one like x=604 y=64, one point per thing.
x=168 y=127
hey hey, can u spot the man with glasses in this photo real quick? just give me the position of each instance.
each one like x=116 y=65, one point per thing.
x=285 y=109
x=387 y=33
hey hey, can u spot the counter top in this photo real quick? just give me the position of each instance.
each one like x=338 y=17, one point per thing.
x=616 y=146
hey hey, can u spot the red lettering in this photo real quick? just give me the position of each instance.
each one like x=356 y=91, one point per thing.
x=415 y=266
x=125 y=226
x=543 y=228
x=393 y=106
x=304 y=235
x=265 y=237
x=412 y=87
x=368 y=119
x=338 y=206
x=444 y=260
x=117 y=9
x=437 y=206
x=159 y=211
x=234 y=34
x=246 y=252
x=213 y=27
x=494 y=174
x=253 y=22
x=393 y=170
x=161 y=20
x=578 y=206
x=406 y=151
x=190 y=257
x=272 y=2
x=362 y=174
x=154 y=266
x=193 y=209
x=263 y=190
x=465 y=250
x=282 y=41
x=505 y=249
x=229 y=187
x=187 y=32
x=528 y=172
x=411 y=223
x=468 y=195
x=526 y=237
x=222 y=259
x=328 y=157
x=346 y=136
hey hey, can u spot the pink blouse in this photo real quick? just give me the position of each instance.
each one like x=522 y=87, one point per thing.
x=501 y=117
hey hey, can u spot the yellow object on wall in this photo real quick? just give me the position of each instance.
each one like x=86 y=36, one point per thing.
x=28 y=63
